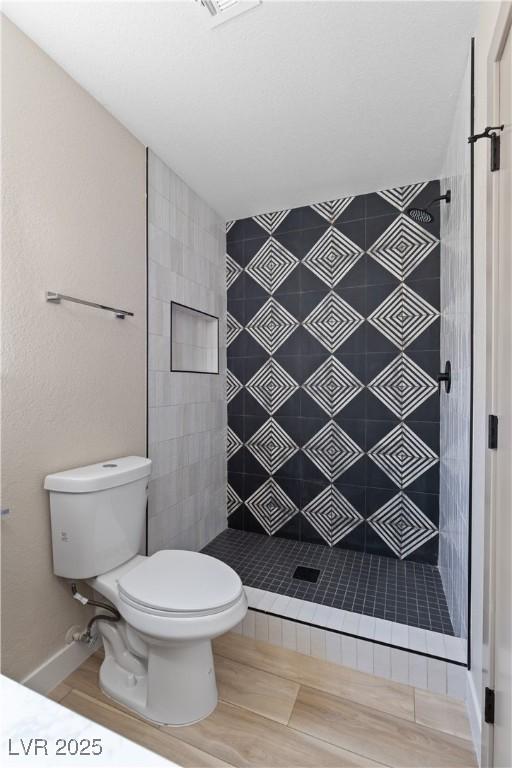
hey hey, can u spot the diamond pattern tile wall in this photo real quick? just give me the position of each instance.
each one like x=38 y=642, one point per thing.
x=332 y=256
x=332 y=386
x=233 y=270
x=332 y=321
x=332 y=450
x=270 y=221
x=272 y=446
x=332 y=209
x=402 y=455
x=337 y=356
x=233 y=443
x=271 y=385
x=403 y=386
x=332 y=515
x=233 y=500
x=271 y=265
x=403 y=316
x=402 y=525
x=402 y=247
x=233 y=385
x=233 y=329
x=271 y=506
x=402 y=197
x=272 y=325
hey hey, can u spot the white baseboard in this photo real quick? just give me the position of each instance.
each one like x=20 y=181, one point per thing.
x=474 y=715
x=55 y=669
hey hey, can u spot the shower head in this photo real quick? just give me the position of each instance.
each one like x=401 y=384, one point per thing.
x=423 y=215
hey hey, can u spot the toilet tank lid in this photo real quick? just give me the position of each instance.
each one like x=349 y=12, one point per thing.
x=99 y=477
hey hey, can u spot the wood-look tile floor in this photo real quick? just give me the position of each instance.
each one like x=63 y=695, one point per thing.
x=281 y=708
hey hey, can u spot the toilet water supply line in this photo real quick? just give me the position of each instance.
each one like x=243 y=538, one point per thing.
x=87 y=636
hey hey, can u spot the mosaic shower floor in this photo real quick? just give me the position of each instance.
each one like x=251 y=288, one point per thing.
x=404 y=592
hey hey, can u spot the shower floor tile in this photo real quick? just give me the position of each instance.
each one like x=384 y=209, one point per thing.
x=401 y=591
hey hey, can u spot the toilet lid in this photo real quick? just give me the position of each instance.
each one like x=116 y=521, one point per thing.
x=174 y=580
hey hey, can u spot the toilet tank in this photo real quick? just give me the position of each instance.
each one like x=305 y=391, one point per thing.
x=98 y=515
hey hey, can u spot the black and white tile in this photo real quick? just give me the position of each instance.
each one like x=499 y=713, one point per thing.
x=402 y=197
x=332 y=450
x=332 y=209
x=271 y=385
x=402 y=525
x=388 y=588
x=402 y=247
x=332 y=386
x=233 y=443
x=271 y=265
x=270 y=221
x=403 y=316
x=233 y=270
x=233 y=385
x=271 y=446
x=233 y=500
x=272 y=325
x=403 y=455
x=332 y=257
x=233 y=328
x=332 y=321
x=271 y=506
x=332 y=515
x=333 y=349
x=403 y=386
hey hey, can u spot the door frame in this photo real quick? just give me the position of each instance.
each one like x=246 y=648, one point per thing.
x=501 y=31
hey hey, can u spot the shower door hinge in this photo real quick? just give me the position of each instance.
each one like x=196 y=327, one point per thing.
x=489 y=706
x=492 y=436
x=490 y=133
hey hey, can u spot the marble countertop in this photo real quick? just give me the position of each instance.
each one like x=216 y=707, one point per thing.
x=26 y=716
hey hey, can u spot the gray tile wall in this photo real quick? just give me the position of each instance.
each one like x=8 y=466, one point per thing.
x=187 y=411
x=456 y=347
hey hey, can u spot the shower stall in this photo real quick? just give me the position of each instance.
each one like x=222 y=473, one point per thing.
x=349 y=392
x=344 y=342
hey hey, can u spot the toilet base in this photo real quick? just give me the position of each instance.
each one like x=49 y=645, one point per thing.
x=177 y=687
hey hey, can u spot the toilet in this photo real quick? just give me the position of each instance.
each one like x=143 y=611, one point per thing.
x=158 y=656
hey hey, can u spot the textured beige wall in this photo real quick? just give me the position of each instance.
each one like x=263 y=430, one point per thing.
x=73 y=387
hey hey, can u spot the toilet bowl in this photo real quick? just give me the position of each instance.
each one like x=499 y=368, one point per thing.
x=158 y=655
x=158 y=659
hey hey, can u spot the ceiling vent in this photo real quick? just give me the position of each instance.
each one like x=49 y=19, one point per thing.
x=224 y=10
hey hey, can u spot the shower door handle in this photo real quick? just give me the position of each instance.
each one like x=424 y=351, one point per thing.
x=445 y=376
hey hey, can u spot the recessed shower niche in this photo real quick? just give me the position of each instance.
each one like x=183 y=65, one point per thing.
x=194 y=340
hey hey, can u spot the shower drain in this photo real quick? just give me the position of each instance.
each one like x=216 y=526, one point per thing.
x=306 y=574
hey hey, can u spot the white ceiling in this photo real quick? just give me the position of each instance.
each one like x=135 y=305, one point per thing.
x=289 y=103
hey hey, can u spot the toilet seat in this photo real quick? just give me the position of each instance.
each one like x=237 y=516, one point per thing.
x=180 y=584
